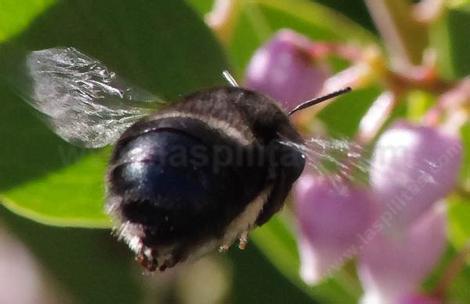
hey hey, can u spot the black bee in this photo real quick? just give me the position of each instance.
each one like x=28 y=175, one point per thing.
x=191 y=177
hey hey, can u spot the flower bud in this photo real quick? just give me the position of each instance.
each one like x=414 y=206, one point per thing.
x=331 y=217
x=284 y=69
x=412 y=168
x=393 y=265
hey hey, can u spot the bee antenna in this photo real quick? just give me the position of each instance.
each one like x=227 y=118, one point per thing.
x=317 y=100
x=230 y=78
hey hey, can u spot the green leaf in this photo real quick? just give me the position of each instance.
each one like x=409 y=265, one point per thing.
x=459 y=204
x=52 y=199
x=449 y=37
x=465 y=170
x=201 y=6
x=459 y=222
x=15 y=15
x=354 y=9
x=43 y=177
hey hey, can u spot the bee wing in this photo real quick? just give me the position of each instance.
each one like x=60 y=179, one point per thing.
x=335 y=158
x=82 y=100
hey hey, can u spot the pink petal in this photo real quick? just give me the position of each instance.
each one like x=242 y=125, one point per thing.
x=393 y=265
x=331 y=217
x=413 y=167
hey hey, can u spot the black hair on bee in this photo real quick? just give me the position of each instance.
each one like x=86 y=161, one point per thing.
x=194 y=176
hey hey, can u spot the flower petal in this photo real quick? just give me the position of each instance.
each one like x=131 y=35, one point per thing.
x=393 y=265
x=331 y=217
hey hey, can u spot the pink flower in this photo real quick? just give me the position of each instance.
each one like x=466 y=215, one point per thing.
x=283 y=69
x=412 y=168
x=331 y=217
x=392 y=265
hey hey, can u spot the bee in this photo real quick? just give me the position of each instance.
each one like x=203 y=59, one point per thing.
x=183 y=180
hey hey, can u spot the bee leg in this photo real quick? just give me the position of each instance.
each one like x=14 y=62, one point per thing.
x=224 y=248
x=146 y=258
x=174 y=258
x=243 y=240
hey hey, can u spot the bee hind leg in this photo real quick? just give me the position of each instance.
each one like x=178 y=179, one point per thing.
x=243 y=240
x=173 y=258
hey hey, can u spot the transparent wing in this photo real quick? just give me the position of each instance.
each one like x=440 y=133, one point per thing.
x=338 y=157
x=335 y=158
x=84 y=102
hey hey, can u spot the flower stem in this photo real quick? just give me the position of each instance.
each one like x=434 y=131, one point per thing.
x=405 y=38
x=223 y=17
x=453 y=269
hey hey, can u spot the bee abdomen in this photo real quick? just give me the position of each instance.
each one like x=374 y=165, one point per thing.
x=179 y=186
